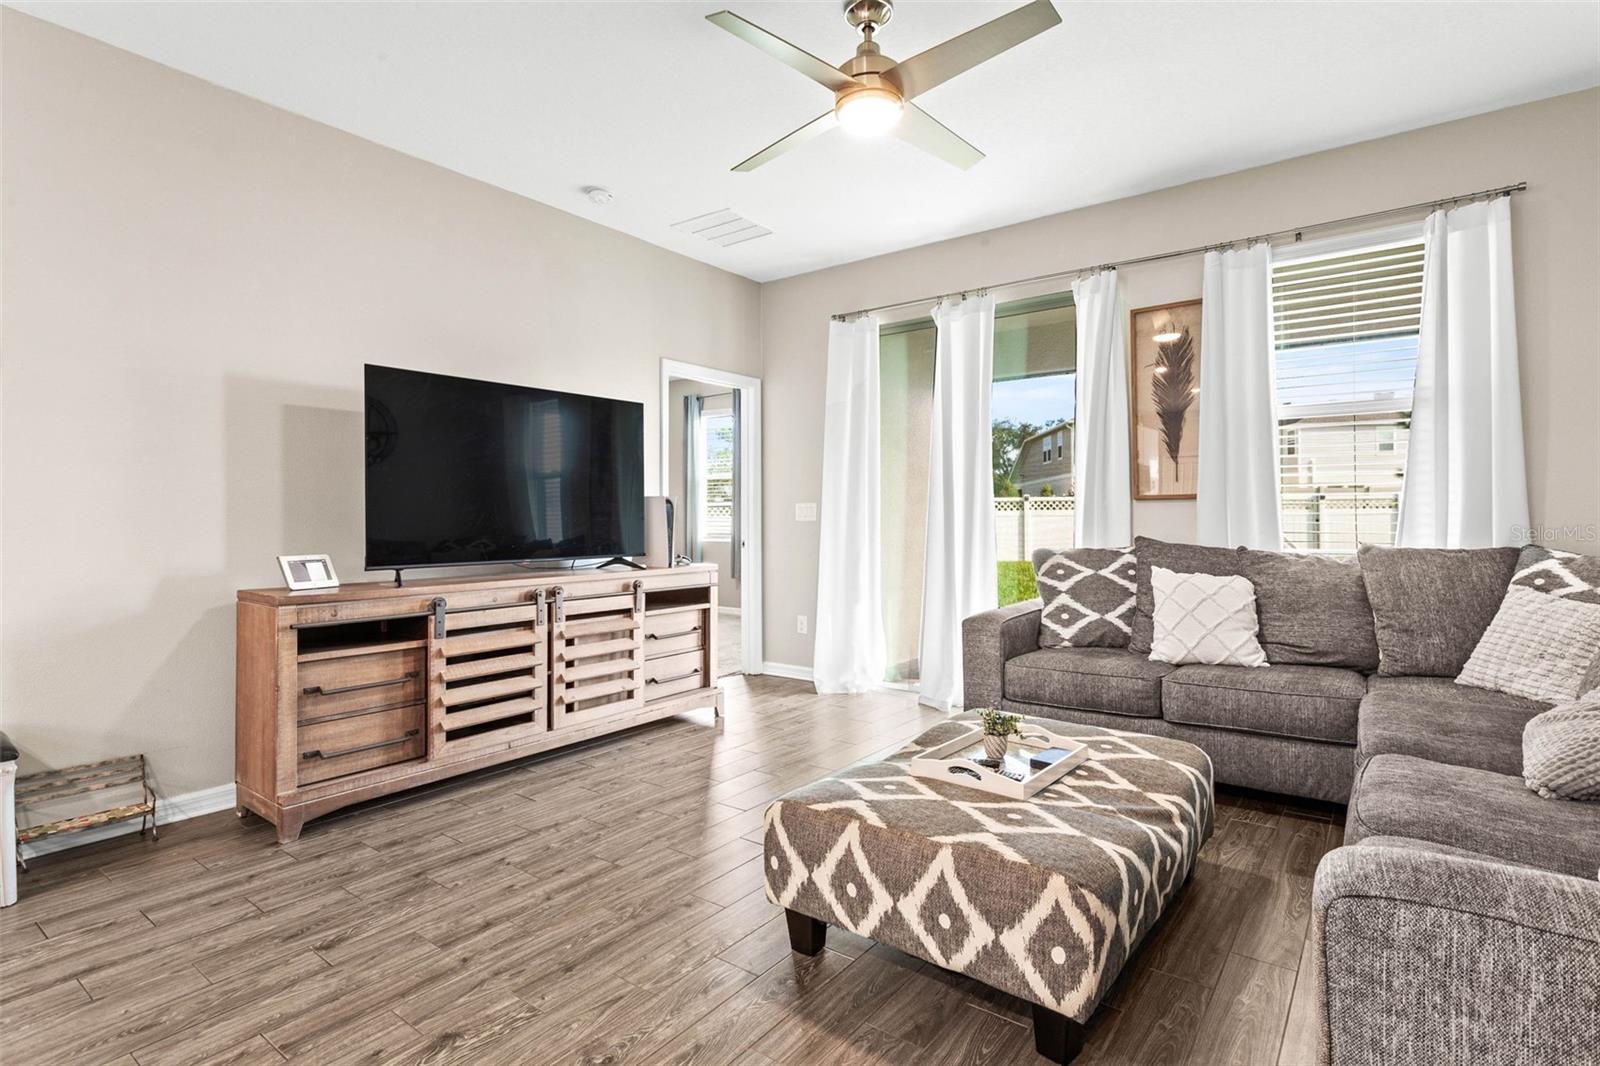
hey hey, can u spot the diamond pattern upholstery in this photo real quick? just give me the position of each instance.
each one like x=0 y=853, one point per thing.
x=1089 y=598
x=1044 y=898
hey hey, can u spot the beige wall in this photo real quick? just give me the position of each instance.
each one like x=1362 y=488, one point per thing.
x=1554 y=145
x=192 y=282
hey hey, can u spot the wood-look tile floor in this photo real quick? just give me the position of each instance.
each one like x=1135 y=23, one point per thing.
x=602 y=905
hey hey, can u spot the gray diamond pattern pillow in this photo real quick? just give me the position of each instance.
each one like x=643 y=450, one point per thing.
x=1539 y=647
x=1557 y=573
x=1088 y=597
x=1563 y=574
x=1561 y=751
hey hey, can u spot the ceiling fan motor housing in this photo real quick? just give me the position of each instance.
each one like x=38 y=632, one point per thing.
x=870 y=68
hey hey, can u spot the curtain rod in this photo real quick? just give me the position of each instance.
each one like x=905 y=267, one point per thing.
x=1503 y=190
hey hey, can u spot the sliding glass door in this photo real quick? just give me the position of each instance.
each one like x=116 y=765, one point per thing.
x=1032 y=407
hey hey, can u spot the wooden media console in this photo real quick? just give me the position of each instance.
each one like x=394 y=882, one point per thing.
x=347 y=694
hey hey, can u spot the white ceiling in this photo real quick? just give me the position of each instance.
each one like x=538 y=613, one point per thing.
x=655 y=103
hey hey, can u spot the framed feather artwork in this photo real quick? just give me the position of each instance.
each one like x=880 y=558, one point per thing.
x=1165 y=423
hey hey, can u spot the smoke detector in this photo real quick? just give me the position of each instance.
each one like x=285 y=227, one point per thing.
x=599 y=195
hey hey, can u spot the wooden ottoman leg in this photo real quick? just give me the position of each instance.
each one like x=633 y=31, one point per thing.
x=806 y=935
x=1055 y=1036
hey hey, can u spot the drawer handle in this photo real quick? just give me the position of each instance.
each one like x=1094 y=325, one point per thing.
x=318 y=690
x=670 y=680
x=320 y=754
x=665 y=636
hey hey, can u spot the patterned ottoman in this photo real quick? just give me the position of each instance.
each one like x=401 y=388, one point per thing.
x=1044 y=898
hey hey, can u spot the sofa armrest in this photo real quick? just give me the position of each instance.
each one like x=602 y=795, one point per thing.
x=987 y=641
x=1431 y=954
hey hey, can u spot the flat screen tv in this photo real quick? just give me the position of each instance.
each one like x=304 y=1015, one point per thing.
x=462 y=471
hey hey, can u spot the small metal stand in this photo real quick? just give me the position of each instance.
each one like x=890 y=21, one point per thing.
x=84 y=779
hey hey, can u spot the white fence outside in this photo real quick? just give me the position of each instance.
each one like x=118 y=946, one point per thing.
x=1024 y=523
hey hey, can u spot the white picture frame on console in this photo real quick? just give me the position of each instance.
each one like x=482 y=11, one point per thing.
x=302 y=572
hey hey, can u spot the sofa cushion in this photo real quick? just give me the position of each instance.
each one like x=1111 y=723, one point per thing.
x=1204 y=620
x=1478 y=810
x=1309 y=702
x=1113 y=680
x=1567 y=575
x=1088 y=597
x=1561 y=751
x=1431 y=605
x=1313 y=610
x=1180 y=559
x=1538 y=646
x=1435 y=718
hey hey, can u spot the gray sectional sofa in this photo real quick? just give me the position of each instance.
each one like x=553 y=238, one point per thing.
x=1461 y=921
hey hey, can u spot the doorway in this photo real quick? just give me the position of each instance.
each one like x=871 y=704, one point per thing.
x=710 y=468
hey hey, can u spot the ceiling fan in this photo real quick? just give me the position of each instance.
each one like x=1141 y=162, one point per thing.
x=872 y=93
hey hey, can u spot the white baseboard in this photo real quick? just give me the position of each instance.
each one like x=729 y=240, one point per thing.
x=796 y=673
x=168 y=809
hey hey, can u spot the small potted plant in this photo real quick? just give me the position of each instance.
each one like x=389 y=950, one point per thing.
x=998 y=729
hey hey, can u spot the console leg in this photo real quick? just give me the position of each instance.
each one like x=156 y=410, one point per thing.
x=1055 y=1036
x=289 y=826
x=806 y=935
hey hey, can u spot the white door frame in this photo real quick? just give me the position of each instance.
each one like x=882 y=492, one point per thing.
x=749 y=475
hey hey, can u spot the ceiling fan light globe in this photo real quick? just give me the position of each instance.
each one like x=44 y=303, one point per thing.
x=868 y=112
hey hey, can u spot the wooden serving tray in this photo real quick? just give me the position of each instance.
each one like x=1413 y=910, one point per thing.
x=956 y=762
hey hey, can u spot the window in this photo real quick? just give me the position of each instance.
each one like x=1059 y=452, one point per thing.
x=1031 y=406
x=1031 y=410
x=1345 y=324
x=716 y=476
x=905 y=397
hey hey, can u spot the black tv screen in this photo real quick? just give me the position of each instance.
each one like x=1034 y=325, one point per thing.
x=463 y=471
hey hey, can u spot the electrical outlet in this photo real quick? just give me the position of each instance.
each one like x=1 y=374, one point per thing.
x=800 y=624
x=805 y=512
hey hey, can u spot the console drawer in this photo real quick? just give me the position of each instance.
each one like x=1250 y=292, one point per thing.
x=674 y=644
x=672 y=674
x=674 y=623
x=360 y=742
x=335 y=687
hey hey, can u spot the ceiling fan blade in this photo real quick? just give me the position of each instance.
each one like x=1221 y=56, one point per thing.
x=918 y=127
x=817 y=70
x=815 y=128
x=960 y=54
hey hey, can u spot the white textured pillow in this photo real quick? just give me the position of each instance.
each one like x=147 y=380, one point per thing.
x=1204 y=619
x=1538 y=646
x=1561 y=751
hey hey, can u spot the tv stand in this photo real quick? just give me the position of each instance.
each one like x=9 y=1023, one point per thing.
x=347 y=694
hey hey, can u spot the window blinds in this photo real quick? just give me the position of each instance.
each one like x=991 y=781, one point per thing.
x=1345 y=329
x=1368 y=293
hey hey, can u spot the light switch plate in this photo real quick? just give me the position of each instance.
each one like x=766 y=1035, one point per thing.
x=805 y=512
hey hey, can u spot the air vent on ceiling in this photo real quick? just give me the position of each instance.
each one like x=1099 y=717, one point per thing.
x=724 y=227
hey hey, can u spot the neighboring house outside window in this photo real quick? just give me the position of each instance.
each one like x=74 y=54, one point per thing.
x=1044 y=463
x=1346 y=324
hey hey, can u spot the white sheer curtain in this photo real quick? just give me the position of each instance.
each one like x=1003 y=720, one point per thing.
x=849 y=650
x=1100 y=474
x=1237 y=497
x=1466 y=484
x=959 y=576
